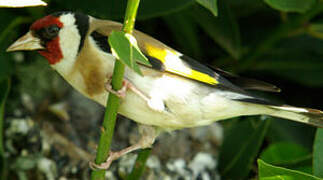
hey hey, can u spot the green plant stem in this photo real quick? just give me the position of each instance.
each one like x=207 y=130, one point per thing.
x=282 y=31
x=139 y=166
x=131 y=12
x=4 y=91
x=113 y=101
x=109 y=122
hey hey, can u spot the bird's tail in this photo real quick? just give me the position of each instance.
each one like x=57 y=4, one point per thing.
x=303 y=115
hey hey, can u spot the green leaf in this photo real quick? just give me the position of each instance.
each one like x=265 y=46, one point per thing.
x=300 y=6
x=224 y=29
x=297 y=133
x=113 y=9
x=269 y=171
x=124 y=47
x=277 y=178
x=211 y=5
x=288 y=155
x=283 y=153
x=301 y=55
x=241 y=145
x=138 y=56
x=318 y=153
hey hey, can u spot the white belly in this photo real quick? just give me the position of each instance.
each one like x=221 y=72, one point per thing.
x=188 y=103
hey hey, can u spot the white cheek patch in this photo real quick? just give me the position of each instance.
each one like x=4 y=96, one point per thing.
x=69 y=43
x=67 y=19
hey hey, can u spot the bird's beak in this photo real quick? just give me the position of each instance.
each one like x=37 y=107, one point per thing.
x=27 y=42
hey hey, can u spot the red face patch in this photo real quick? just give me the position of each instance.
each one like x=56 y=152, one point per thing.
x=53 y=51
x=45 y=22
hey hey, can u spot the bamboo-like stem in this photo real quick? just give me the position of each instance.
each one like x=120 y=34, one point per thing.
x=140 y=165
x=113 y=101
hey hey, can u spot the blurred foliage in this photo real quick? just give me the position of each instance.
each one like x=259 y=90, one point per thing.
x=279 y=41
x=318 y=154
x=289 y=155
x=4 y=90
x=248 y=135
x=291 y=5
x=210 y=4
x=116 y=9
x=267 y=171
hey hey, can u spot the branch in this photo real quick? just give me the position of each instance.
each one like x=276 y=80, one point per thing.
x=113 y=101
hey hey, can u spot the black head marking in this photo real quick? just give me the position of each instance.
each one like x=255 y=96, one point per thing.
x=58 y=14
x=82 y=24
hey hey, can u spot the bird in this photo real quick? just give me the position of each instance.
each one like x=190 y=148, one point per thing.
x=174 y=91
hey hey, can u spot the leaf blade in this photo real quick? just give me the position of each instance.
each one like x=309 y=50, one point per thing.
x=284 y=153
x=266 y=171
x=124 y=47
x=299 y=6
x=211 y=5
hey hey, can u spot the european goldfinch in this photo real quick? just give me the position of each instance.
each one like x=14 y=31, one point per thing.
x=174 y=92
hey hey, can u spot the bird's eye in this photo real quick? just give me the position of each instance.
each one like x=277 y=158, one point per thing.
x=50 y=32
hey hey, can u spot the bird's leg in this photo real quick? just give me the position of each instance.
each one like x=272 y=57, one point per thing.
x=121 y=93
x=126 y=84
x=156 y=104
x=148 y=136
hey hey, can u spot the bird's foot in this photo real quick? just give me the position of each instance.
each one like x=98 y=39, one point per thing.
x=155 y=104
x=106 y=164
x=148 y=136
x=121 y=93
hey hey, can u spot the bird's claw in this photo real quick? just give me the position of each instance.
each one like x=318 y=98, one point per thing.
x=104 y=166
x=121 y=93
x=153 y=103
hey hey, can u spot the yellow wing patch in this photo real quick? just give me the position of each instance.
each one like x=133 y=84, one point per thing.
x=173 y=63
